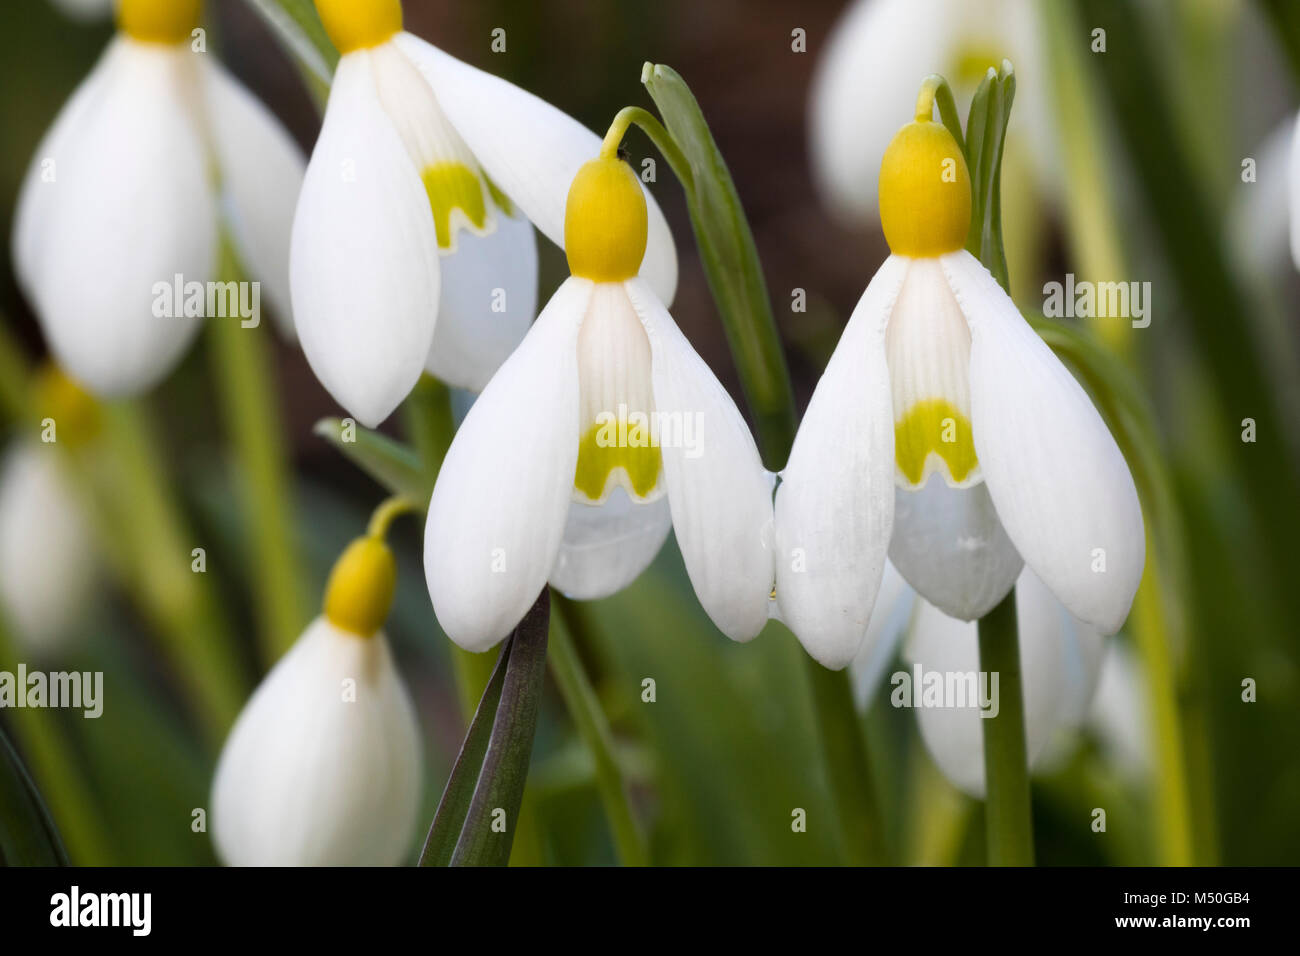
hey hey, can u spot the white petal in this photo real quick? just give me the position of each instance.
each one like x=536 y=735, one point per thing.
x=1294 y=195
x=130 y=206
x=1058 y=480
x=309 y=777
x=1119 y=711
x=720 y=496
x=889 y=620
x=607 y=546
x=364 y=260
x=46 y=548
x=950 y=546
x=864 y=90
x=497 y=513
x=472 y=338
x=262 y=171
x=835 y=503
x=941 y=644
x=530 y=150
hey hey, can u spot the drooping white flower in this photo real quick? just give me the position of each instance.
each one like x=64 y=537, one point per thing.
x=47 y=563
x=421 y=159
x=323 y=766
x=1060 y=658
x=945 y=433
x=871 y=63
x=602 y=429
x=127 y=191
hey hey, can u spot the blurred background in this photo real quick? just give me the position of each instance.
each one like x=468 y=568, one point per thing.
x=1133 y=170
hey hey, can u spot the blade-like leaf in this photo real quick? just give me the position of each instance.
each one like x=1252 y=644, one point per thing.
x=28 y=836
x=489 y=775
x=299 y=28
x=731 y=263
x=389 y=462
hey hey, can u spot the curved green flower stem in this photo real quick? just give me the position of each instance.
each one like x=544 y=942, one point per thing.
x=593 y=727
x=848 y=769
x=1007 y=814
x=660 y=137
x=241 y=365
x=54 y=767
x=935 y=91
x=382 y=518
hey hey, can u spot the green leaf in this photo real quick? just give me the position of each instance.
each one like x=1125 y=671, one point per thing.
x=731 y=264
x=986 y=130
x=299 y=28
x=492 y=767
x=28 y=836
x=392 y=464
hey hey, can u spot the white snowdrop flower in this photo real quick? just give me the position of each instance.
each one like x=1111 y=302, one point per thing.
x=47 y=552
x=127 y=190
x=423 y=158
x=323 y=766
x=1060 y=658
x=946 y=434
x=871 y=57
x=602 y=429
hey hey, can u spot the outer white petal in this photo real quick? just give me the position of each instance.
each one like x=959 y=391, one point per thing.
x=718 y=491
x=1119 y=711
x=951 y=547
x=38 y=193
x=889 y=620
x=530 y=149
x=835 y=503
x=364 y=259
x=130 y=206
x=955 y=735
x=607 y=546
x=309 y=778
x=262 y=171
x=47 y=566
x=472 y=339
x=1261 y=220
x=864 y=91
x=1058 y=480
x=498 y=510
x=1293 y=182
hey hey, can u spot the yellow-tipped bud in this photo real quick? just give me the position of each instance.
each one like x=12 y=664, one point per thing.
x=358 y=24
x=605 y=222
x=159 y=21
x=360 y=588
x=924 y=192
x=74 y=411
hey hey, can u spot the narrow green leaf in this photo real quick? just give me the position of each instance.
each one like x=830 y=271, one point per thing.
x=299 y=28
x=492 y=766
x=389 y=462
x=28 y=836
x=731 y=264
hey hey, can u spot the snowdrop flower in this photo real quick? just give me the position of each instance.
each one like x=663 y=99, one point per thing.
x=602 y=429
x=870 y=58
x=946 y=434
x=1060 y=658
x=421 y=159
x=323 y=766
x=47 y=564
x=127 y=191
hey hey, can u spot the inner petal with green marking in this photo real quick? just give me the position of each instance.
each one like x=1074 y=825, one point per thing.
x=618 y=443
x=927 y=348
x=457 y=198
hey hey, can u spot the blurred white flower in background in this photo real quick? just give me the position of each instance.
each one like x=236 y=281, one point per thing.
x=129 y=189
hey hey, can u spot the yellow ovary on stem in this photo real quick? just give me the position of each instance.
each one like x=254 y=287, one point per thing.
x=361 y=585
x=358 y=24
x=925 y=203
x=605 y=222
x=158 y=21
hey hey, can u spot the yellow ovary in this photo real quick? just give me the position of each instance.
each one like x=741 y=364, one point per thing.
x=925 y=204
x=605 y=222
x=358 y=24
x=158 y=21
x=361 y=586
